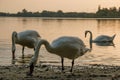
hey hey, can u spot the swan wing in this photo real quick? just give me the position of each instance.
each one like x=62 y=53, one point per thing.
x=103 y=38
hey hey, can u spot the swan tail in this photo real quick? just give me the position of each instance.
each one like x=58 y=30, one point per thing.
x=113 y=37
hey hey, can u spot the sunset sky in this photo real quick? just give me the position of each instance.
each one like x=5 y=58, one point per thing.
x=14 y=6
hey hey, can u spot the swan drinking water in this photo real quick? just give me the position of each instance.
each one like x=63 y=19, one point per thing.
x=65 y=47
x=28 y=38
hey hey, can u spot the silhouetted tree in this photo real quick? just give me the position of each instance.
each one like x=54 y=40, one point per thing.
x=111 y=12
x=24 y=11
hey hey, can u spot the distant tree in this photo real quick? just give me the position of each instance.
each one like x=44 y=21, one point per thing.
x=107 y=13
x=119 y=9
x=24 y=11
x=99 y=8
x=59 y=13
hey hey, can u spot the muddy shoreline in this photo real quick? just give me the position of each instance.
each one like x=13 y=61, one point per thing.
x=50 y=72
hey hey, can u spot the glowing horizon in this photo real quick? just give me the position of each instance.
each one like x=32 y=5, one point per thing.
x=14 y=6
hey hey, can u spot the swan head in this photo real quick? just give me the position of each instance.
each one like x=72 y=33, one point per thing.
x=14 y=34
x=87 y=32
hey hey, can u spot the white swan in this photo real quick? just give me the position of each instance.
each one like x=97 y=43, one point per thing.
x=101 y=38
x=65 y=47
x=28 y=38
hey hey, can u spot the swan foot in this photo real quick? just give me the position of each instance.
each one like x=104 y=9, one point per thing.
x=71 y=70
x=29 y=74
x=31 y=70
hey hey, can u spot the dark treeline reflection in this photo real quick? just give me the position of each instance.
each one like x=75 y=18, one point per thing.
x=112 y=12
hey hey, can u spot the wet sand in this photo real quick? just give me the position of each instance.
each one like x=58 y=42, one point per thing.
x=51 y=72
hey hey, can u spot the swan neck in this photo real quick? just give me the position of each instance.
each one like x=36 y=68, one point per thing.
x=46 y=44
x=90 y=40
x=41 y=42
x=49 y=47
x=14 y=34
x=90 y=36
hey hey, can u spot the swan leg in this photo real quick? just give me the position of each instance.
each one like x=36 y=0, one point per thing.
x=62 y=61
x=23 y=52
x=72 y=65
x=31 y=70
x=34 y=49
x=13 y=54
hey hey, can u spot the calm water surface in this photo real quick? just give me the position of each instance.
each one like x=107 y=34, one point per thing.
x=52 y=28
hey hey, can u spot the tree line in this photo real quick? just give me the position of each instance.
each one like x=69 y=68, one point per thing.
x=112 y=12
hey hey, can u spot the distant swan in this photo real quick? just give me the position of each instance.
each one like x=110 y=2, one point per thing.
x=28 y=38
x=65 y=47
x=101 y=38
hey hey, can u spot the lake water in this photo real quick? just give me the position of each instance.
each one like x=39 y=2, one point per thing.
x=52 y=28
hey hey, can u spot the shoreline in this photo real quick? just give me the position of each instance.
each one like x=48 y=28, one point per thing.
x=53 y=72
